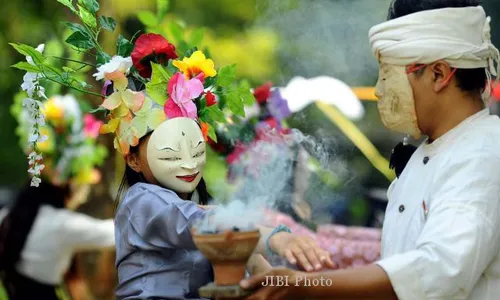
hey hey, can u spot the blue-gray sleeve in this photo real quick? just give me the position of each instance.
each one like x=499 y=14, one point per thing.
x=162 y=219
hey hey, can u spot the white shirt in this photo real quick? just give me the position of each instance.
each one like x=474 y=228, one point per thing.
x=447 y=248
x=55 y=236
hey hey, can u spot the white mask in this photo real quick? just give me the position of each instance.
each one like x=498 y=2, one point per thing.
x=176 y=154
x=396 y=104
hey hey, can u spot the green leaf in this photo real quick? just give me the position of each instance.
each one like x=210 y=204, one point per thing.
x=80 y=41
x=68 y=69
x=215 y=114
x=235 y=103
x=211 y=133
x=162 y=8
x=107 y=23
x=26 y=66
x=123 y=46
x=87 y=17
x=102 y=58
x=209 y=81
x=226 y=75
x=177 y=31
x=100 y=108
x=78 y=27
x=147 y=18
x=26 y=50
x=247 y=97
x=51 y=70
x=157 y=92
x=196 y=37
x=183 y=48
x=159 y=74
x=91 y=5
x=157 y=87
x=67 y=3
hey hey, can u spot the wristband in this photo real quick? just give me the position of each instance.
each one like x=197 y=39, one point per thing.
x=279 y=228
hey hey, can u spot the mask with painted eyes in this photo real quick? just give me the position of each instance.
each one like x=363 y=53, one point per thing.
x=176 y=154
x=396 y=104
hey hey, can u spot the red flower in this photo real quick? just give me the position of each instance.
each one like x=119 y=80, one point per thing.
x=151 y=47
x=210 y=98
x=262 y=92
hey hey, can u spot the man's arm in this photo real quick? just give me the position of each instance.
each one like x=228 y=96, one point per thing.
x=369 y=282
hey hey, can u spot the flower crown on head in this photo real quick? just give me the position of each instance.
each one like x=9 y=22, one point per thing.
x=171 y=88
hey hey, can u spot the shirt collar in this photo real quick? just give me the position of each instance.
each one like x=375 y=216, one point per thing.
x=454 y=133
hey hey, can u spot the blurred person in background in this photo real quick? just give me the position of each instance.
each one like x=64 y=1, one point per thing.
x=40 y=232
x=305 y=184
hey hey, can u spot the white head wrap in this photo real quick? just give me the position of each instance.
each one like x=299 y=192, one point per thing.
x=460 y=36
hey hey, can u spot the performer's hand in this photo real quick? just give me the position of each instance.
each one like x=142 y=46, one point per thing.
x=279 y=283
x=302 y=251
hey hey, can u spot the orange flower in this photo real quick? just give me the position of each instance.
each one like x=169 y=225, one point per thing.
x=204 y=130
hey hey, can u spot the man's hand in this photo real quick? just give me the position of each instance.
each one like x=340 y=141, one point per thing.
x=267 y=285
x=301 y=250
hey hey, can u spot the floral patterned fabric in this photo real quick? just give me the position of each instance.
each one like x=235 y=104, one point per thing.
x=350 y=246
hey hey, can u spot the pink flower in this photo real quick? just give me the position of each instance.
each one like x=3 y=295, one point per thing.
x=91 y=126
x=181 y=94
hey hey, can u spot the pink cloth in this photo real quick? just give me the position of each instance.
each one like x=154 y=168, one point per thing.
x=350 y=246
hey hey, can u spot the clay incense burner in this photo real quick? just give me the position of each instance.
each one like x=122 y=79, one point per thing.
x=228 y=252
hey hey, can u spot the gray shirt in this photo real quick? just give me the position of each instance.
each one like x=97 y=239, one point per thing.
x=156 y=257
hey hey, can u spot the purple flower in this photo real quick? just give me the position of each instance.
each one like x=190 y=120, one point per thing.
x=278 y=106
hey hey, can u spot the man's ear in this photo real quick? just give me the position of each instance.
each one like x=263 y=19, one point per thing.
x=441 y=75
x=132 y=160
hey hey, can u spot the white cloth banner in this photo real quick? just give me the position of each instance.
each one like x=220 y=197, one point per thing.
x=460 y=36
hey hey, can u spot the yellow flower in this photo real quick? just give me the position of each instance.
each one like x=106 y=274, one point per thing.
x=53 y=109
x=47 y=146
x=87 y=176
x=196 y=64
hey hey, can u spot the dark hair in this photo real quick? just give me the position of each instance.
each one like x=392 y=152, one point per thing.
x=468 y=80
x=18 y=222
x=131 y=177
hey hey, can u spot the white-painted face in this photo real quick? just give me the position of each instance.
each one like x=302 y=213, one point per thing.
x=176 y=154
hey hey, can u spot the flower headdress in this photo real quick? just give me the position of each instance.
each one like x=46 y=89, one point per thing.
x=265 y=118
x=68 y=151
x=165 y=87
x=146 y=82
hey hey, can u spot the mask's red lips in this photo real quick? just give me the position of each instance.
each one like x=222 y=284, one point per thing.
x=189 y=178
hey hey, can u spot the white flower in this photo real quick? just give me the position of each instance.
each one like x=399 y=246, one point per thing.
x=40 y=120
x=42 y=138
x=33 y=137
x=34 y=157
x=117 y=63
x=40 y=49
x=35 y=181
x=36 y=169
x=29 y=83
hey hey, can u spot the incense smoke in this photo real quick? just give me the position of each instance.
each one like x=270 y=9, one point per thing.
x=269 y=175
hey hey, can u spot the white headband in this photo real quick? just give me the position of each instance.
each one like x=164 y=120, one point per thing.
x=460 y=36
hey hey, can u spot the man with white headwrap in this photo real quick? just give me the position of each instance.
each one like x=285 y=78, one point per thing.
x=441 y=235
